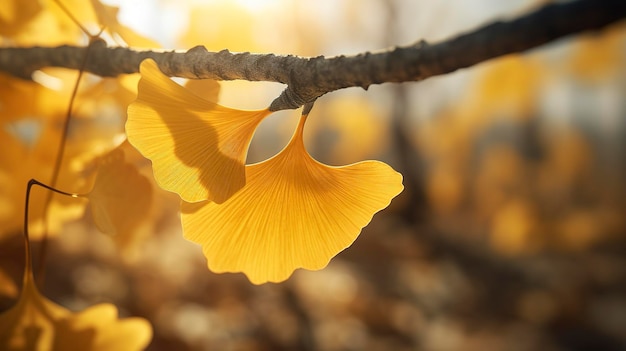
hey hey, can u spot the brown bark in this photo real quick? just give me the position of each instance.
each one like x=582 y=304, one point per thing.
x=309 y=78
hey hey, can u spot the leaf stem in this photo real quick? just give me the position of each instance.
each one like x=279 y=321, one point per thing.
x=28 y=255
x=59 y=160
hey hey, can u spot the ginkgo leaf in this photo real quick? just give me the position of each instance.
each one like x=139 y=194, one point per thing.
x=101 y=330
x=294 y=212
x=20 y=162
x=31 y=322
x=36 y=323
x=197 y=147
x=23 y=22
x=120 y=198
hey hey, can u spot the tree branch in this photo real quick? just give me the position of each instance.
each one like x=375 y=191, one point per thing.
x=309 y=78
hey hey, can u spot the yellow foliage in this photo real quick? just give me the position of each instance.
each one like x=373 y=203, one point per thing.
x=293 y=212
x=120 y=200
x=18 y=164
x=208 y=89
x=197 y=147
x=21 y=99
x=31 y=122
x=22 y=22
x=38 y=324
x=14 y=14
x=508 y=88
x=598 y=55
x=27 y=19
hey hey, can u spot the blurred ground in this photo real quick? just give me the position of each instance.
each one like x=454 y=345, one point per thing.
x=510 y=234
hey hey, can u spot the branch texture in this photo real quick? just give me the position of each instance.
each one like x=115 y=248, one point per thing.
x=309 y=78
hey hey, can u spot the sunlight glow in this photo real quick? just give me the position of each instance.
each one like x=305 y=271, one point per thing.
x=256 y=6
x=47 y=80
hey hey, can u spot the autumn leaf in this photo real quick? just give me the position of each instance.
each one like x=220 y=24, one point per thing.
x=31 y=126
x=294 y=212
x=20 y=162
x=20 y=98
x=120 y=200
x=25 y=21
x=105 y=330
x=599 y=56
x=36 y=323
x=208 y=89
x=15 y=14
x=197 y=147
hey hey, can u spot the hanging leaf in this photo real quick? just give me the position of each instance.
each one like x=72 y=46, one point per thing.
x=293 y=212
x=36 y=323
x=15 y=14
x=120 y=199
x=197 y=147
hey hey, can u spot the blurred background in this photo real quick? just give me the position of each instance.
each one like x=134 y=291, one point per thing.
x=510 y=233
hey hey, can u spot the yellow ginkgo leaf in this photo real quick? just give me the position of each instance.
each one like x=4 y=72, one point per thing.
x=23 y=22
x=101 y=330
x=120 y=198
x=294 y=212
x=197 y=147
x=36 y=323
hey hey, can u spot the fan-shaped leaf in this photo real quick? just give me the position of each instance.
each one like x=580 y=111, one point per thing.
x=293 y=212
x=36 y=323
x=197 y=147
x=120 y=199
